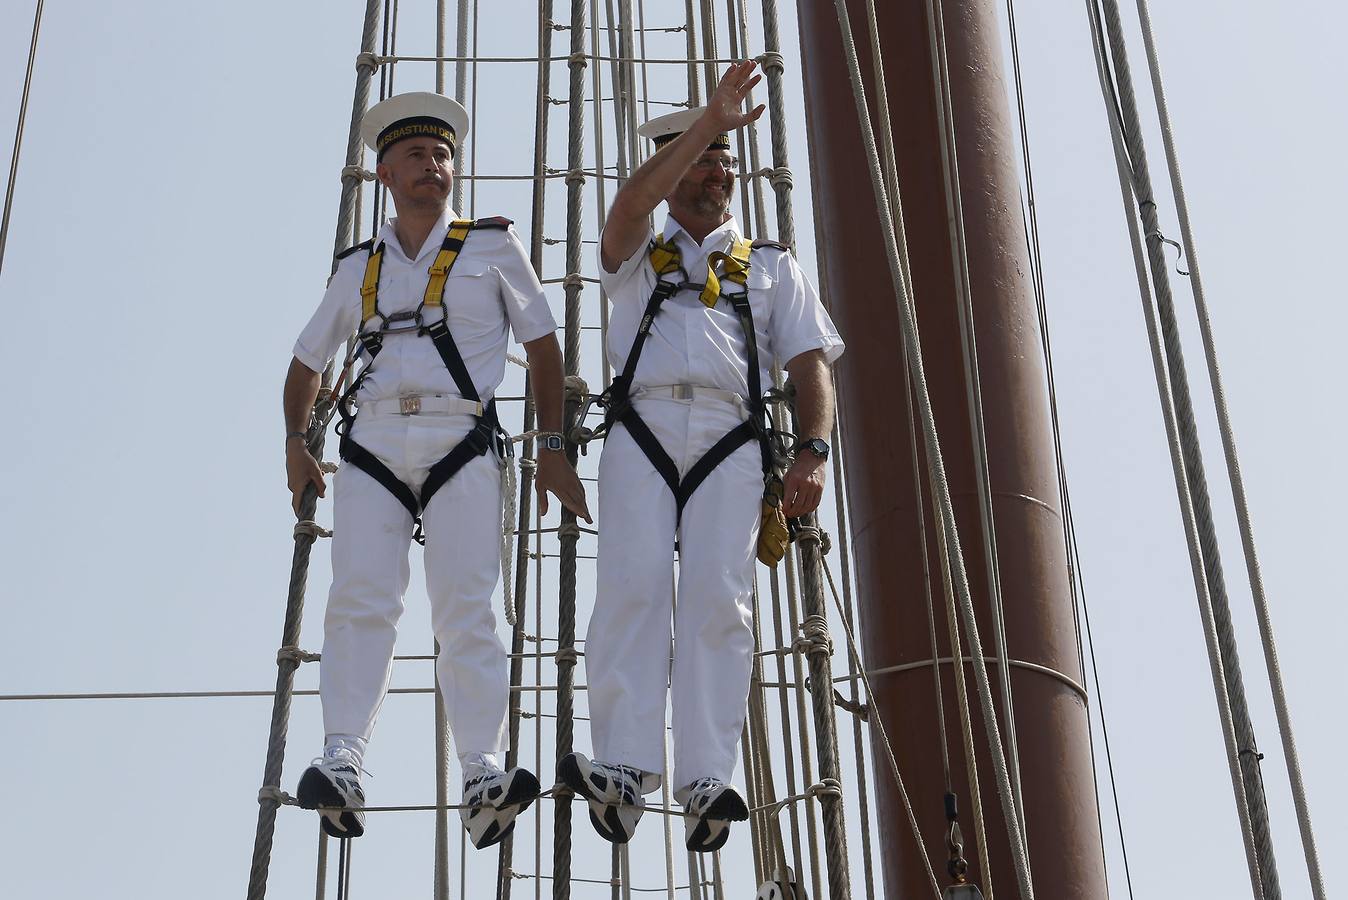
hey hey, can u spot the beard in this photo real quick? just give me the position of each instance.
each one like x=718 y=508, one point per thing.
x=706 y=203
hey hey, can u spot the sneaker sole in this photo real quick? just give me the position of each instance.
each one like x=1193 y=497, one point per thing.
x=316 y=792
x=603 y=816
x=728 y=807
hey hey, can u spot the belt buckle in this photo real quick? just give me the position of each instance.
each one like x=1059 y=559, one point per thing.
x=682 y=392
x=410 y=405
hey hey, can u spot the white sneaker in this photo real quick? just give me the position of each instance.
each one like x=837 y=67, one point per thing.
x=331 y=785
x=613 y=791
x=492 y=800
x=709 y=806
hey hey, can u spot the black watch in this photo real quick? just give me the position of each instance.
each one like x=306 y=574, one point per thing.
x=817 y=446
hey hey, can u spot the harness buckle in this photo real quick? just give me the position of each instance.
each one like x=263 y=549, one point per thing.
x=409 y=405
x=480 y=438
x=682 y=391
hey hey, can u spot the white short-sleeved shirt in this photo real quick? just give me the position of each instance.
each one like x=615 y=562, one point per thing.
x=691 y=344
x=490 y=286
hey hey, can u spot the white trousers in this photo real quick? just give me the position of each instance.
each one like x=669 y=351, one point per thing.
x=627 y=649
x=371 y=535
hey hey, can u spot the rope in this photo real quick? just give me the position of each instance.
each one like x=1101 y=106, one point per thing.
x=18 y=131
x=1186 y=460
x=1233 y=468
x=299 y=567
x=936 y=461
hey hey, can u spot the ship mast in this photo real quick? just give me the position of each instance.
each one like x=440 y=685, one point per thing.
x=974 y=302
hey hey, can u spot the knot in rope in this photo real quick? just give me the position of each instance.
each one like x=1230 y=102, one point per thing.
x=814 y=637
x=780 y=177
x=770 y=60
x=528 y=464
x=813 y=534
x=270 y=792
x=575 y=279
x=855 y=707
x=568 y=529
x=368 y=61
x=577 y=59
x=311 y=528
x=327 y=468
x=295 y=655
x=566 y=655
x=357 y=172
x=829 y=787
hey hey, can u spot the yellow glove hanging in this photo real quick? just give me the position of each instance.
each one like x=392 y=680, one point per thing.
x=773 y=535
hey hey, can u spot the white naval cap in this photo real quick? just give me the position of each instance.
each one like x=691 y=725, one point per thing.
x=415 y=114
x=663 y=129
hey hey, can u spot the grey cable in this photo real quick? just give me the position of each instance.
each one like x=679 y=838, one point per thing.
x=1233 y=468
x=1187 y=513
x=18 y=132
x=1209 y=552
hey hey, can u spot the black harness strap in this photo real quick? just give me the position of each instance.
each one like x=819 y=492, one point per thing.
x=485 y=432
x=619 y=409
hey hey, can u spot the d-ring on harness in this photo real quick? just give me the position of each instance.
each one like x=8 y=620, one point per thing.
x=486 y=429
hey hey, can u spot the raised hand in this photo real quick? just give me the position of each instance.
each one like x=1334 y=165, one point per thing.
x=724 y=109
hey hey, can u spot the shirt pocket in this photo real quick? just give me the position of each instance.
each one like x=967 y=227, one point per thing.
x=471 y=302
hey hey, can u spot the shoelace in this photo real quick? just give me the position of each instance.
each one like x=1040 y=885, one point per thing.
x=344 y=758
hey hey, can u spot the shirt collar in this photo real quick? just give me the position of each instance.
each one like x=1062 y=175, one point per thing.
x=719 y=239
x=434 y=239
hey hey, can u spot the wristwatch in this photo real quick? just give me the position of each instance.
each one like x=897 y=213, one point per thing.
x=551 y=440
x=817 y=446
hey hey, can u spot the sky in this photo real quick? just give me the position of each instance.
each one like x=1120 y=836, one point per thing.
x=172 y=231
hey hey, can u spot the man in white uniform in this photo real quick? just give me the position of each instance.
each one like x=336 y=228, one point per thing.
x=432 y=298
x=685 y=461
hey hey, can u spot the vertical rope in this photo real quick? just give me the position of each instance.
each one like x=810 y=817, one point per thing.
x=566 y=613
x=1233 y=467
x=18 y=132
x=304 y=541
x=973 y=386
x=690 y=41
x=1177 y=458
x=709 y=46
x=1193 y=469
x=908 y=325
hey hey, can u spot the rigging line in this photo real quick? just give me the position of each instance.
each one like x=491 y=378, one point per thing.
x=1187 y=513
x=1189 y=441
x=935 y=460
x=973 y=387
x=1233 y=467
x=472 y=194
x=1075 y=580
x=18 y=131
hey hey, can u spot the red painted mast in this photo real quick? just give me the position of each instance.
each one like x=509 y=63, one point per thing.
x=888 y=518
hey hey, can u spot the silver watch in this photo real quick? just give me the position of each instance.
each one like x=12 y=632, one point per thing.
x=551 y=440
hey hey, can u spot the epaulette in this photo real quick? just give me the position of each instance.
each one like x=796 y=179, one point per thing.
x=776 y=245
x=493 y=222
x=363 y=245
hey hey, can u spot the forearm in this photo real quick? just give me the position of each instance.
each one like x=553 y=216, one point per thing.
x=813 y=380
x=545 y=379
x=298 y=396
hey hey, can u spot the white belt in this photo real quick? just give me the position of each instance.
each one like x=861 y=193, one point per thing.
x=689 y=392
x=420 y=405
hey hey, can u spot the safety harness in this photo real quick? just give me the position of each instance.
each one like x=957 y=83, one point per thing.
x=486 y=430
x=617 y=400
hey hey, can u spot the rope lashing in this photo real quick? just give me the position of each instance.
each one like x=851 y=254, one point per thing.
x=357 y=172
x=814 y=637
x=566 y=656
x=272 y=793
x=569 y=529
x=368 y=62
x=311 y=528
x=771 y=61
x=296 y=655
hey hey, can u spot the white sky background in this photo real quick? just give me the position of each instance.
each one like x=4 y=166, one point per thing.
x=172 y=232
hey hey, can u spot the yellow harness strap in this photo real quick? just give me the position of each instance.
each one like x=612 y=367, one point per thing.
x=369 y=289
x=665 y=260
x=444 y=261
x=735 y=269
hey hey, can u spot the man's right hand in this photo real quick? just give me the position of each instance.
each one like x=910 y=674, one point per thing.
x=724 y=108
x=301 y=470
